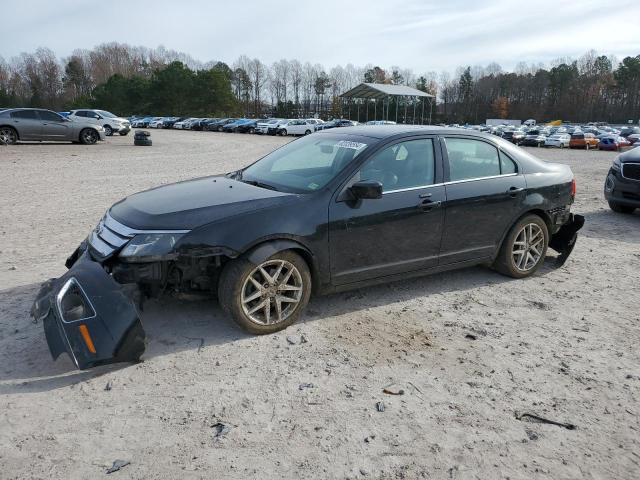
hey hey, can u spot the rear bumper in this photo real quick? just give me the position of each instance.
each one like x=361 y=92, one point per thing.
x=89 y=316
x=564 y=240
x=623 y=191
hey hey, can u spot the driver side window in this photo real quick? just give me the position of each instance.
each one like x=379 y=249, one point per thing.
x=402 y=165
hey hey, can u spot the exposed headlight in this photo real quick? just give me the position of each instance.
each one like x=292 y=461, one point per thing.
x=149 y=247
x=616 y=164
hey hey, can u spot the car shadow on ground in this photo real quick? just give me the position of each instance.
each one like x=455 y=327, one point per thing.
x=178 y=324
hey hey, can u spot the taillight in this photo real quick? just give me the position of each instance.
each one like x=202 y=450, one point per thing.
x=573 y=188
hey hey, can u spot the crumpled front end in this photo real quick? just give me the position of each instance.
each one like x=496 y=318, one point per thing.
x=90 y=316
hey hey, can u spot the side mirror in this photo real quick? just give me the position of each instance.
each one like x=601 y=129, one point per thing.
x=367 y=189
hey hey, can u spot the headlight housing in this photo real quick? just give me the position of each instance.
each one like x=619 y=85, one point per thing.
x=616 y=164
x=150 y=247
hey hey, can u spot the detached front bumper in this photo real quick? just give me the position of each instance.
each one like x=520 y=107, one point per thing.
x=88 y=315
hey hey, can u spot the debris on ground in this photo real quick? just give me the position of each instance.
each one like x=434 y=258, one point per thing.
x=392 y=392
x=470 y=336
x=291 y=340
x=302 y=386
x=380 y=406
x=537 y=418
x=303 y=339
x=221 y=429
x=531 y=434
x=369 y=439
x=107 y=387
x=117 y=465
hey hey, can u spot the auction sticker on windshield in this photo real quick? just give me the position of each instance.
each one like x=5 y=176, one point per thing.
x=348 y=144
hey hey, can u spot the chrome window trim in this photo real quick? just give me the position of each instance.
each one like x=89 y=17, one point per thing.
x=453 y=182
x=408 y=189
x=622 y=164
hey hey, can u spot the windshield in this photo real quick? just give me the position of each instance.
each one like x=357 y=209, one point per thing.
x=305 y=165
x=104 y=113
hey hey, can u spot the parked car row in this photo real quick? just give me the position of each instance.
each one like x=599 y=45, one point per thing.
x=602 y=137
x=267 y=126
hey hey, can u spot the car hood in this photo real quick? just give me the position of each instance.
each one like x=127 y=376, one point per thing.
x=193 y=203
x=632 y=156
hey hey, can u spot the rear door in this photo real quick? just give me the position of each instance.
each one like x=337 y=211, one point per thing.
x=399 y=232
x=485 y=192
x=55 y=127
x=27 y=124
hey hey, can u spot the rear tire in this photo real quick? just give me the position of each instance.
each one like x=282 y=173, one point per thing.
x=523 y=250
x=89 y=136
x=277 y=303
x=308 y=132
x=618 y=208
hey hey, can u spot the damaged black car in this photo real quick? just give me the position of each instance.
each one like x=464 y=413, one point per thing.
x=335 y=210
x=622 y=185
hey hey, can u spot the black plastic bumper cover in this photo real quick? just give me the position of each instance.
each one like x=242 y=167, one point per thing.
x=565 y=239
x=110 y=317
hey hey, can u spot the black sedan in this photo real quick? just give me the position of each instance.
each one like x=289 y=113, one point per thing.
x=331 y=211
x=622 y=186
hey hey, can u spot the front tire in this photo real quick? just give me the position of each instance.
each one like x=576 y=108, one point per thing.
x=124 y=134
x=108 y=131
x=283 y=132
x=89 y=136
x=524 y=249
x=8 y=135
x=618 y=208
x=267 y=297
x=307 y=132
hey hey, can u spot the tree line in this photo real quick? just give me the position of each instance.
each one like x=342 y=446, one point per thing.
x=138 y=80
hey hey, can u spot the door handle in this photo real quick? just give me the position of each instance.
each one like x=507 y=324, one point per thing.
x=424 y=195
x=513 y=191
x=429 y=205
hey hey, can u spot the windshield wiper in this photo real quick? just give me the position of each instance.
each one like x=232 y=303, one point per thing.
x=255 y=183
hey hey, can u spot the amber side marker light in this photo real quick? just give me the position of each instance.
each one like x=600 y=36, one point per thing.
x=84 y=331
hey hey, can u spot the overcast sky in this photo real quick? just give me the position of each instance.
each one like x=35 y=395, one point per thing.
x=418 y=34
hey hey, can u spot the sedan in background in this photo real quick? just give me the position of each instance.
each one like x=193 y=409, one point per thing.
x=217 y=126
x=534 y=138
x=332 y=211
x=336 y=124
x=37 y=124
x=558 y=140
x=262 y=127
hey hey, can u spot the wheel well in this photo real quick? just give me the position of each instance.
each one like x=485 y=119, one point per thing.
x=544 y=216
x=86 y=128
x=264 y=250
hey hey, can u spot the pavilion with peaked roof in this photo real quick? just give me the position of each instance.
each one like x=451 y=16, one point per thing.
x=390 y=97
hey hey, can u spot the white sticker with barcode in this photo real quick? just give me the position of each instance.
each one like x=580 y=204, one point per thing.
x=348 y=144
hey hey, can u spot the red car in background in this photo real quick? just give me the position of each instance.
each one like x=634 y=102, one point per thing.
x=613 y=143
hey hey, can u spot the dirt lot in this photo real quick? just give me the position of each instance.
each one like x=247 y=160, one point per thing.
x=563 y=345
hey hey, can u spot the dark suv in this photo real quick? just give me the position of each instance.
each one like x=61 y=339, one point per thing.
x=622 y=186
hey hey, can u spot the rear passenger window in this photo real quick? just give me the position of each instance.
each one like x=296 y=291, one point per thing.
x=470 y=158
x=26 y=114
x=507 y=165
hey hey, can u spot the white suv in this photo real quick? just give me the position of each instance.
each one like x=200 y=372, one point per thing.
x=110 y=122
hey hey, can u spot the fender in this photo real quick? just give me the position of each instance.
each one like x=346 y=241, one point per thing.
x=265 y=250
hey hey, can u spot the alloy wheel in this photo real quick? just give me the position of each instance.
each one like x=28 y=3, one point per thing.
x=89 y=137
x=528 y=247
x=8 y=136
x=272 y=292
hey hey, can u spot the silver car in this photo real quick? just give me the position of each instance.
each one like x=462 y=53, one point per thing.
x=37 y=124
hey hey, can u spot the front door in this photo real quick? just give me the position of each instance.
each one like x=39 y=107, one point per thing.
x=54 y=126
x=485 y=192
x=400 y=232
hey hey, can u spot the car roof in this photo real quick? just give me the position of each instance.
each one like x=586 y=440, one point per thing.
x=385 y=131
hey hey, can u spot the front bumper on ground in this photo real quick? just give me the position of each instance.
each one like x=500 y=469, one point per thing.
x=88 y=315
x=564 y=239
x=621 y=190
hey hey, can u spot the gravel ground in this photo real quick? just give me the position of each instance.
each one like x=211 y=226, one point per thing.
x=469 y=349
